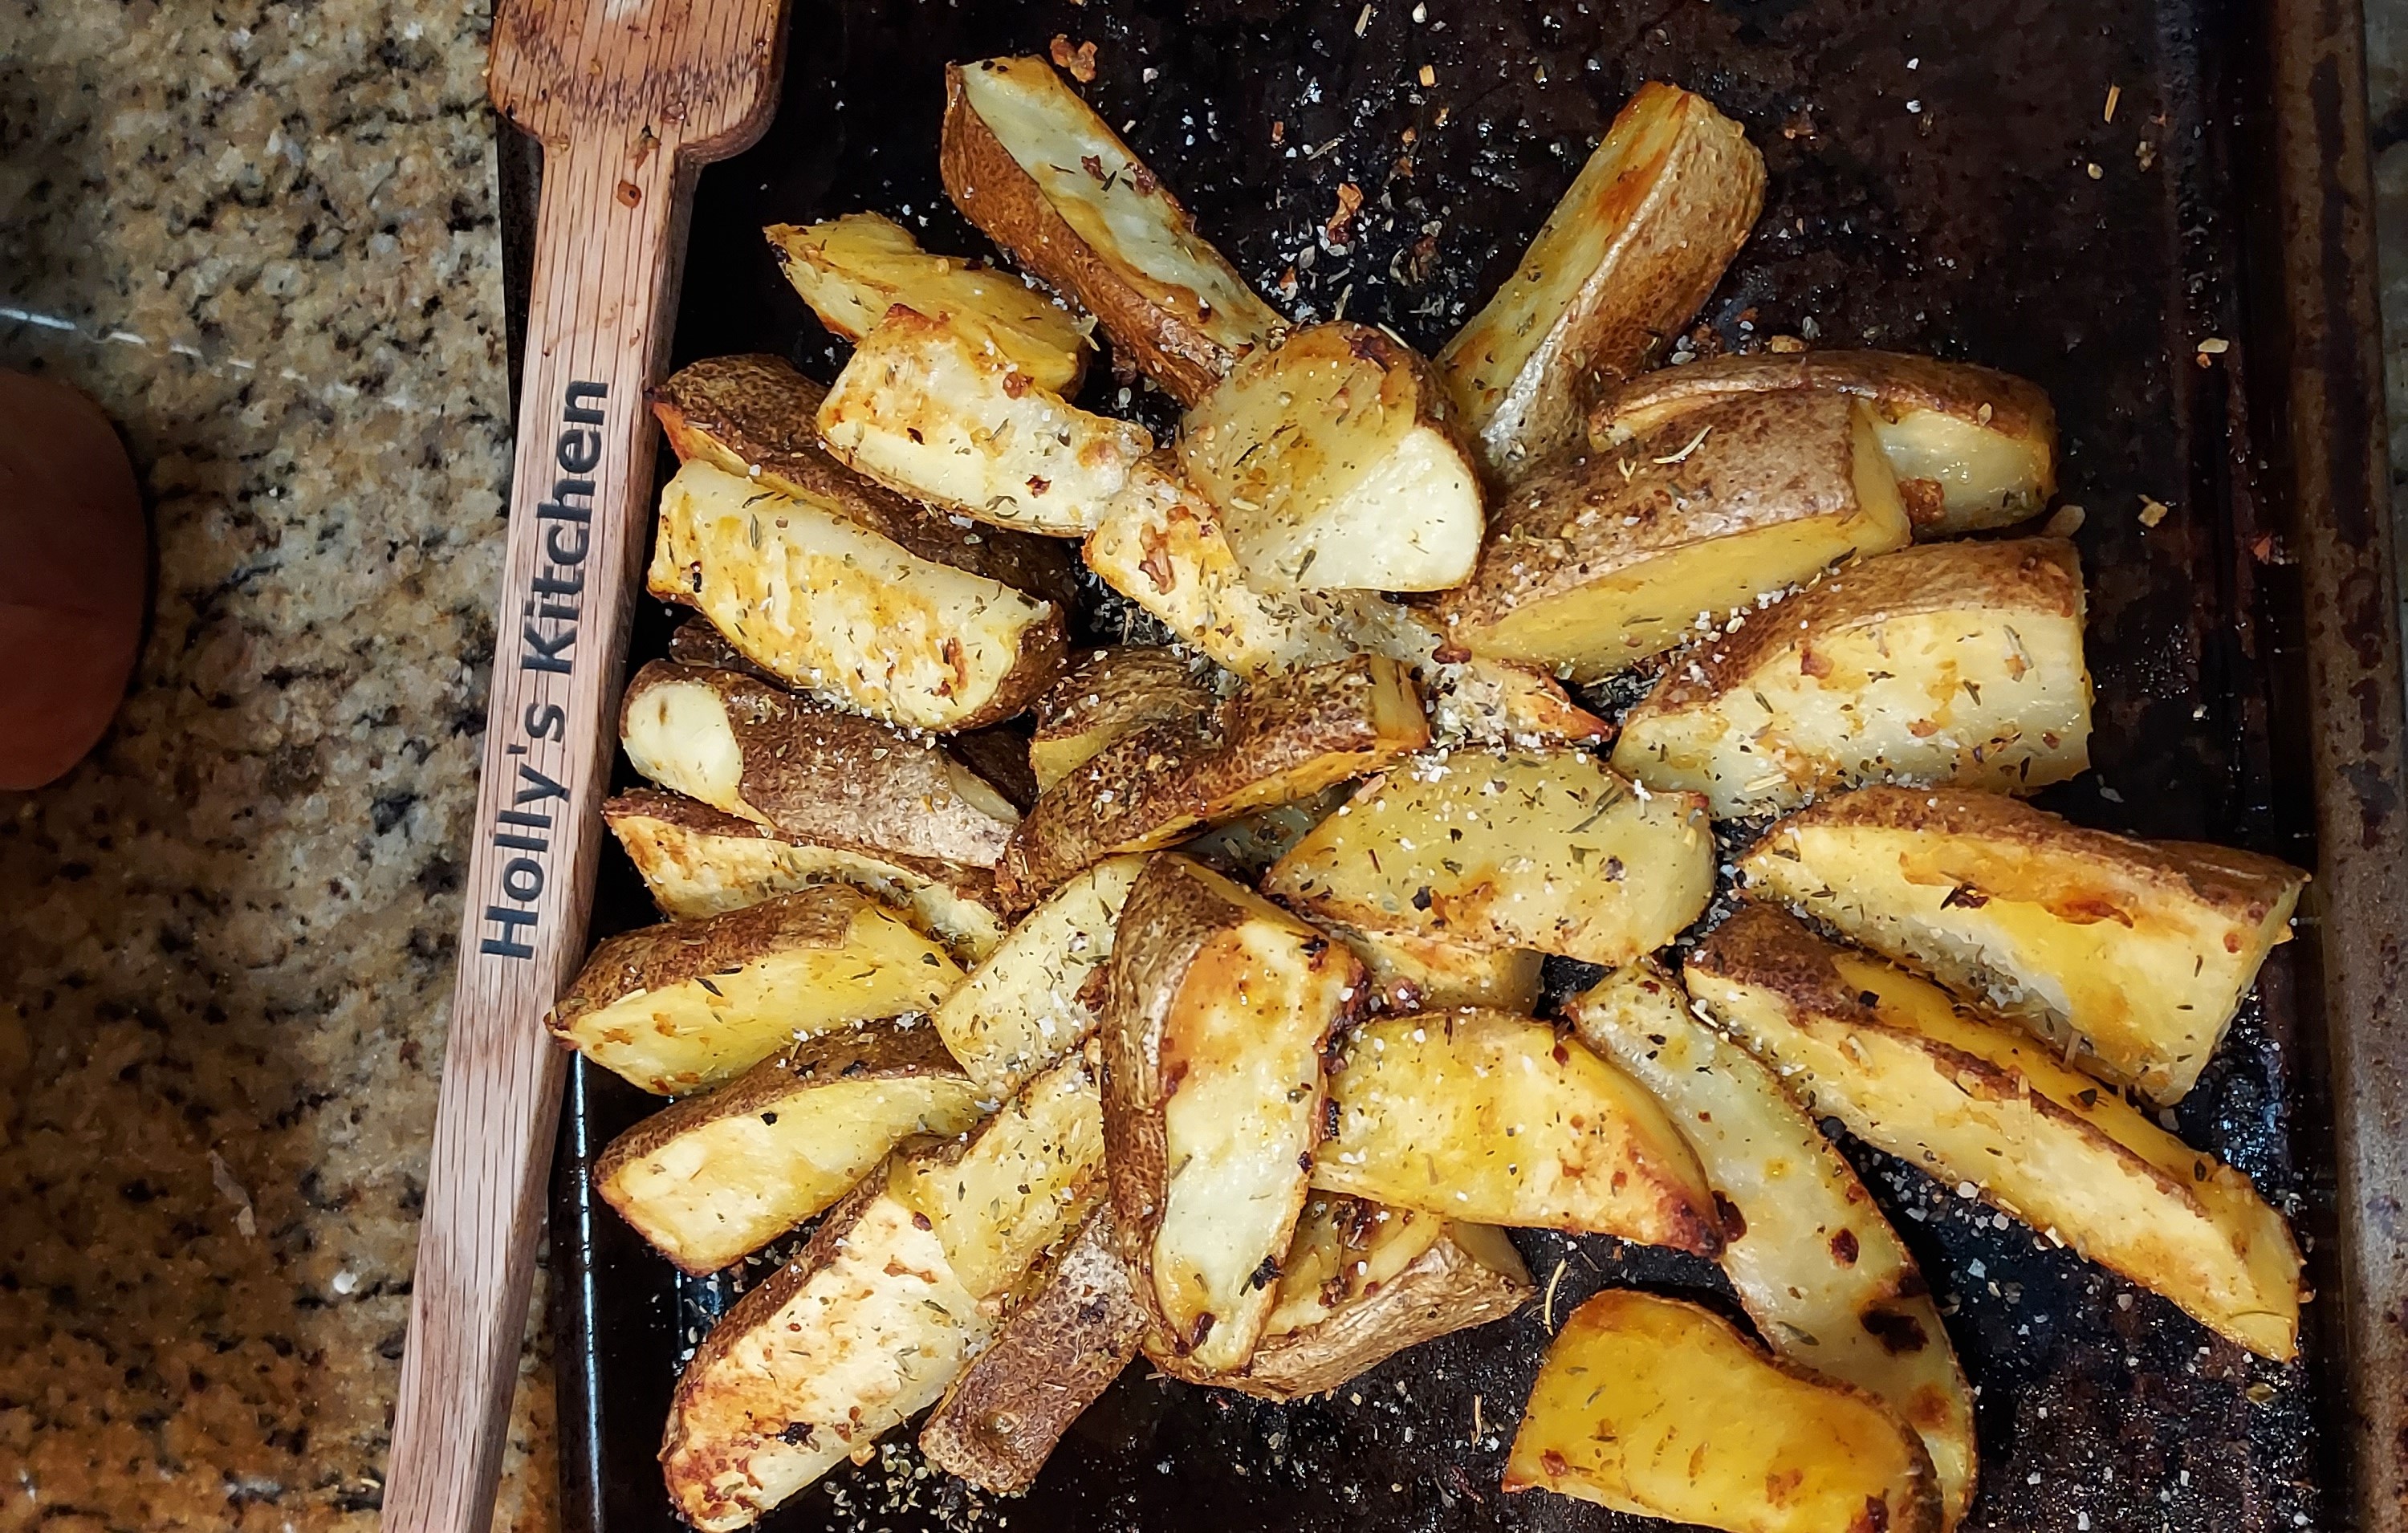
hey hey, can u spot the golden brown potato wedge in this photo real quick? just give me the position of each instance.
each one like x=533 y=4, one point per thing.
x=1217 y=1010
x=715 y=1178
x=1335 y=466
x=1473 y=1114
x=824 y=1356
x=1410 y=973
x=2130 y=956
x=1045 y=178
x=924 y=410
x=852 y=269
x=1973 y=448
x=1279 y=740
x=1029 y=1003
x=1113 y=691
x=1974 y=1102
x=1944 y=663
x=689 y=1004
x=1629 y=255
x=826 y=604
x=750 y=750
x=1595 y=563
x=1544 y=850
x=699 y=861
x=1054 y=1352
x=1660 y=1407
x=1815 y=1264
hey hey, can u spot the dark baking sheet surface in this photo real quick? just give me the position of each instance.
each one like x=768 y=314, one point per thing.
x=1943 y=178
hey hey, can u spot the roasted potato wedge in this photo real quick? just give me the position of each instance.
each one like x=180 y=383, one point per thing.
x=826 y=604
x=1335 y=466
x=1217 y=1010
x=1411 y=973
x=924 y=410
x=1113 y=691
x=1598 y=563
x=1544 y=850
x=748 y=750
x=1021 y=1181
x=1054 y=1352
x=689 y=1004
x=1635 y=247
x=1029 y=1003
x=1279 y=740
x=1660 y=1407
x=2130 y=956
x=825 y=1354
x=1815 y=1264
x=1973 y=448
x=1045 y=178
x=715 y=1178
x=1473 y=1114
x=1972 y=1102
x=852 y=269
x=1945 y=662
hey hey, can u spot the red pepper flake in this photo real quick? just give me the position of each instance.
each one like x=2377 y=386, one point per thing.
x=1079 y=61
x=1341 y=228
x=1093 y=164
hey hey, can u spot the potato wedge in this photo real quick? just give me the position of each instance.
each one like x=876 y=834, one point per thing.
x=826 y=604
x=1335 y=465
x=1945 y=662
x=690 y=1004
x=1217 y=1010
x=1279 y=740
x=1972 y=1101
x=852 y=269
x=1411 y=973
x=1113 y=691
x=699 y=861
x=921 y=408
x=1660 y=1407
x=1594 y=565
x=1973 y=448
x=1544 y=850
x=1019 y=1183
x=2130 y=956
x=715 y=1178
x=1045 y=178
x=822 y=1357
x=1815 y=1264
x=1625 y=259
x=1054 y=1352
x=1028 y=1004
x=839 y=780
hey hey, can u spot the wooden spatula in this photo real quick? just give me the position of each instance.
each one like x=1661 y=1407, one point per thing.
x=630 y=98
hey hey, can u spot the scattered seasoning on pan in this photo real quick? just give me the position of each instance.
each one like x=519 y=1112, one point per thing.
x=2152 y=511
x=2115 y=94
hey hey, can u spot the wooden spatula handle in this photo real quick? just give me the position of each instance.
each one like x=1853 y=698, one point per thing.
x=606 y=239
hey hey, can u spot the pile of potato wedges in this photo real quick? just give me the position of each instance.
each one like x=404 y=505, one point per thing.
x=1181 y=1001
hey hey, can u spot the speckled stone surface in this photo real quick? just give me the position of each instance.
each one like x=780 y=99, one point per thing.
x=2387 y=103
x=262 y=236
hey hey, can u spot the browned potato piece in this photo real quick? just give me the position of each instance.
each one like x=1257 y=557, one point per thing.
x=1634 y=247
x=715 y=1178
x=689 y=1004
x=1335 y=466
x=1544 y=850
x=1945 y=662
x=1972 y=1101
x=1595 y=564
x=1659 y=1408
x=1279 y=740
x=1217 y=1010
x=1819 y=1269
x=1110 y=692
x=2130 y=957
x=1045 y=178
x=1030 y=1002
x=852 y=269
x=748 y=749
x=1973 y=448
x=1411 y=973
x=1474 y=1114
x=1054 y=1352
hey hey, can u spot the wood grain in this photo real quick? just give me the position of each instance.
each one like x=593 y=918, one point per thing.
x=629 y=98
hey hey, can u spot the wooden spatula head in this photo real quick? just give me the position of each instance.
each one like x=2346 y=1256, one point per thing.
x=701 y=76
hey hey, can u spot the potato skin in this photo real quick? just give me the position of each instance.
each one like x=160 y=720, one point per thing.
x=1898 y=379
x=1110 y=692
